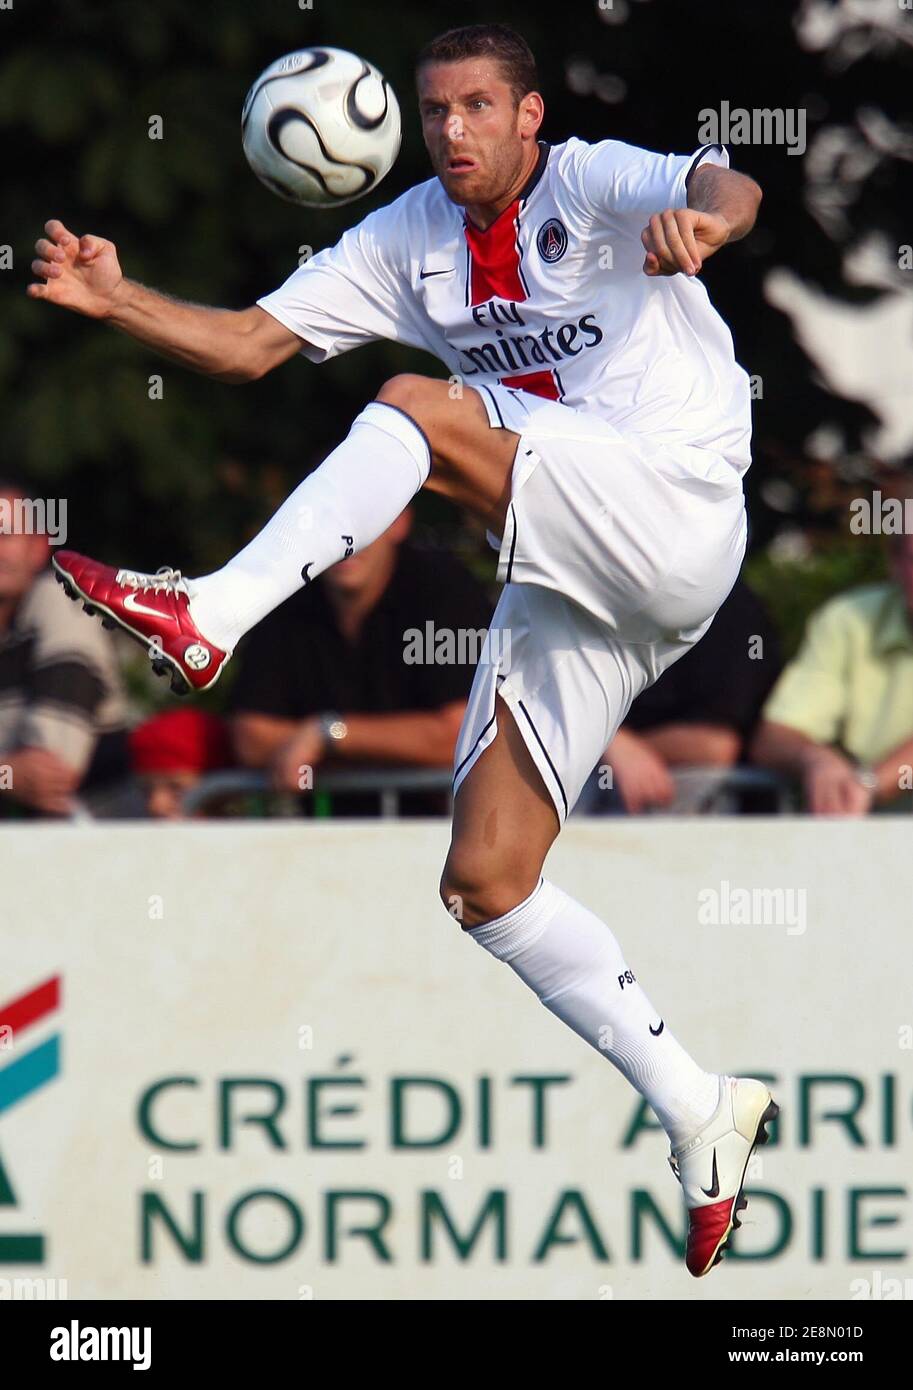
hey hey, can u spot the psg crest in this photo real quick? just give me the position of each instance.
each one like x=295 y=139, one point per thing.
x=552 y=240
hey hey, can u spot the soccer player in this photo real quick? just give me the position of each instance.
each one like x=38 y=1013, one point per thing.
x=595 y=419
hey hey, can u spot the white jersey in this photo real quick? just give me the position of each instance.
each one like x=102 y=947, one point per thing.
x=551 y=298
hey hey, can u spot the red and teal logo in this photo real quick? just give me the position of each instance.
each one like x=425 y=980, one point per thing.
x=21 y=1074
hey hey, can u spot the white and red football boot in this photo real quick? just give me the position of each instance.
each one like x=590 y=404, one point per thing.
x=711 y=1167
x=154 y=609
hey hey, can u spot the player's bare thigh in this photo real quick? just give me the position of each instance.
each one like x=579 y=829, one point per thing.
x=471 y=463
x=504 y=823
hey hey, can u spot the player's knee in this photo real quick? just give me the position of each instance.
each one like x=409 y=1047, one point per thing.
x=460 y=886
x=407 y=392
x=452 y=899
x=474 y=893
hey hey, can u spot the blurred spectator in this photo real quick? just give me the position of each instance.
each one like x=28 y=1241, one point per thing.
x=62 y=713
x=840 y=719
x=172 y=751
x=700 y=713
x=334 y=654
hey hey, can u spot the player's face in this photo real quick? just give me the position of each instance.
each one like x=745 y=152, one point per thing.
x=471 y=127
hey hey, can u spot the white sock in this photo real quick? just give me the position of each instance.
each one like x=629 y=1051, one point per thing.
x=345 y=504
x=574 y=964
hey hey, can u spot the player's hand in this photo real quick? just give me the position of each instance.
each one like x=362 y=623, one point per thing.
x=292 y=759
x=681 y=239
x=42 y=780
x=832 y=787
x=79 y=273
x=642 y=777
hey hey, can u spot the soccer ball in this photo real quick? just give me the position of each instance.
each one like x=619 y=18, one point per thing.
x=320 y=127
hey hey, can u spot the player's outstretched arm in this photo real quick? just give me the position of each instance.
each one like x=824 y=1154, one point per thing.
x=722 y=206
x=84 y=274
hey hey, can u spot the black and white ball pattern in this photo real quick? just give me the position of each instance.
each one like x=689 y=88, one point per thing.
x=320 y=127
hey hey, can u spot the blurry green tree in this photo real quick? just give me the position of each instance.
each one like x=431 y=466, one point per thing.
x=185 y=478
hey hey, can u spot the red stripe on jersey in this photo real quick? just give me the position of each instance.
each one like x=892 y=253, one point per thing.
x=536 y=383
x=495 y=258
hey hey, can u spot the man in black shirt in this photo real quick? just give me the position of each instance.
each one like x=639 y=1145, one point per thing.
x=331 y=674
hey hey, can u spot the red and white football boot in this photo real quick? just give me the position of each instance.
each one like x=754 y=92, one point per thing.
x=154 y=609
x=711 y=1167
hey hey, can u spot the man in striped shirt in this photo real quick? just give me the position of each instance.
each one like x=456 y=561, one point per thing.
x=62 y=716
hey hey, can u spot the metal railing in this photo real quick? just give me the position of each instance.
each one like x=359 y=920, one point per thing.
x=389 y=784
x=708 y=791
x=699 y=790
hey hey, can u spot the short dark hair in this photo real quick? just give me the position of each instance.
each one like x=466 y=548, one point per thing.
x=497 y=41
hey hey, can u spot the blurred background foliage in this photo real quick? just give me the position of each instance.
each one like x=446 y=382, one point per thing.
x=185 y=479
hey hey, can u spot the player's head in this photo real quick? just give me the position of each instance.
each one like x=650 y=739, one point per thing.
x=480 y=109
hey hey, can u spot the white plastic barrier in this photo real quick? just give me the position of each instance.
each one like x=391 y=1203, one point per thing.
x=272 y=1067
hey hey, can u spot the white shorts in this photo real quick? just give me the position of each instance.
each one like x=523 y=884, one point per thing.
x=616 y=554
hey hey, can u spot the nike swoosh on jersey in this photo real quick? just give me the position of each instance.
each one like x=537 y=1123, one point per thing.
x=133 y=605
x=424 y=274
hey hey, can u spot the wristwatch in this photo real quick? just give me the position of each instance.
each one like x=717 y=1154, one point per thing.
x=333 y=727
x=867 y=777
